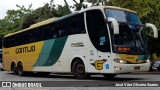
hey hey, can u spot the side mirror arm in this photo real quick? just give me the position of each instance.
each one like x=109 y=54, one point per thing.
x=115 y=25
x=155 y=31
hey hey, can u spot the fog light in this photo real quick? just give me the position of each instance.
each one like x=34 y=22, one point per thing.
x=117 y=68
x=123 y=61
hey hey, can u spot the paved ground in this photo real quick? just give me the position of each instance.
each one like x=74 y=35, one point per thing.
x=65 y=82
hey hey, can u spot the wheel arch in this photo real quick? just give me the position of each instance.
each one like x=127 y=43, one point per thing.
x=19 y=62
x=79 y=58
x=13 y=63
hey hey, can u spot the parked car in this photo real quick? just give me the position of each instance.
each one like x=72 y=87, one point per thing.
x=156 y=65
x=1 y=63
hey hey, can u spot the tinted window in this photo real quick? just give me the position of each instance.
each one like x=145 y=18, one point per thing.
x=123 y=16
x=76 y=24
x=61 y=28
x=68 y=26
x=97 y=30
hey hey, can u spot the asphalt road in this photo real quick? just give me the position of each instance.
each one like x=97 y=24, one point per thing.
x=68 y=82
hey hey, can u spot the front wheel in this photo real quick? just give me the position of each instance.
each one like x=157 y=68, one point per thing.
x=109 y=76
x=78 y=70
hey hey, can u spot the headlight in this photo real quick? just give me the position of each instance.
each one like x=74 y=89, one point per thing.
x=123 y=61
x=147 y=61
x=120 y=61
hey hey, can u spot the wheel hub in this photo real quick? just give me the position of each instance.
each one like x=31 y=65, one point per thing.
x=80 y=69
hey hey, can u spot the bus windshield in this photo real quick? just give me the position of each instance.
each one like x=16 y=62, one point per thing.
x=123 y=16
x=131 y=38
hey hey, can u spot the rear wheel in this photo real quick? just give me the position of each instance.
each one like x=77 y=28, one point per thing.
x=109 y=76
x=78 y=70
x=14 y=69
x=20 y=69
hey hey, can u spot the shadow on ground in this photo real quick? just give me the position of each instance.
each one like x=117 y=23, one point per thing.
x=68 y=76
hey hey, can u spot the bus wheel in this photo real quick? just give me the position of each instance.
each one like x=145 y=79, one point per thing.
x=20 y=69
x=109 y=76
x=78 y=70
x=14 y=69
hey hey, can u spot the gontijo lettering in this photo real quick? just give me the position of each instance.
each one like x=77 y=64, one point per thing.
x=25 y=49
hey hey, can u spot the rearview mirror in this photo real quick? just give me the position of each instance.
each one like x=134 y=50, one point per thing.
x=155 y=31
x=115 y=25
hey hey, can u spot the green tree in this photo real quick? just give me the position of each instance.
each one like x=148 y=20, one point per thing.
x=78 y=5
x=97 y=2
x=49 y=10
x=11 y=22
x=148 y=10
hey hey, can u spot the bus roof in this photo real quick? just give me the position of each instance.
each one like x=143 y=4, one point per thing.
x=48 y=21
x=102 y=7
x=113 y=7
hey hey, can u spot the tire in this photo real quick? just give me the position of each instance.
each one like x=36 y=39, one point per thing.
x=20 y=69
x=78 y=69
x=109 y=76
x=14 y=69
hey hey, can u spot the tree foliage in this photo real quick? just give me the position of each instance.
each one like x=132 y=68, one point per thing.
x=49 y=10
x=11 y=22
x=24 y=17
x=148 y=10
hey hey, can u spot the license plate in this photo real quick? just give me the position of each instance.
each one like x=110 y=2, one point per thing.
x=137 y=68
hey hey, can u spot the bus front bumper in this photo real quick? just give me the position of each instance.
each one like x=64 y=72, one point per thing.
x=128 y=68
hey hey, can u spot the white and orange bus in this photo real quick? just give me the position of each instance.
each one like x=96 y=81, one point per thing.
x=102 y=40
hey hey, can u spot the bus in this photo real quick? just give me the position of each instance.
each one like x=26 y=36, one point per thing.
x=103 y=40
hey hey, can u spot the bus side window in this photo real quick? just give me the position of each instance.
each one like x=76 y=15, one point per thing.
x=62 y=33
x=17 y=40
x=13 y=41
x=45 y=32
x=23 y=38
x=42 y=33
x=54 y=32
x=31 y=36
x=9 y=41
x=76 y=24
x=39 y=34
x=27 y=37
x=60 y=29
x=6 y=42
x=81 y=23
